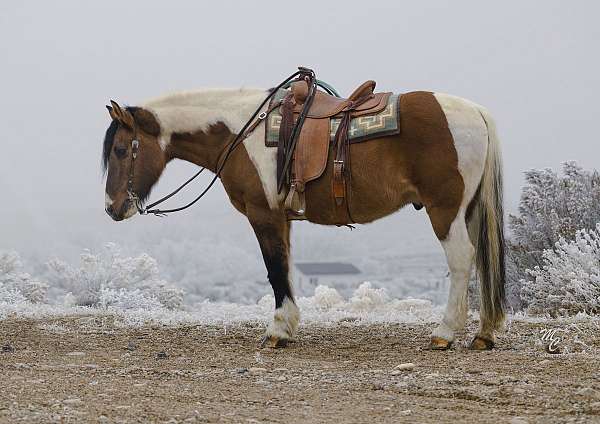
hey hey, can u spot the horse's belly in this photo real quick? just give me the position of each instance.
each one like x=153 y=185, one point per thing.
x=377 y=187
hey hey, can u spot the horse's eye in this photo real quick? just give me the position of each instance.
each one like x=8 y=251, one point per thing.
x=121 y=152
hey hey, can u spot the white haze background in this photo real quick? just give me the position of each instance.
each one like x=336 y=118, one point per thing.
x=533 y=64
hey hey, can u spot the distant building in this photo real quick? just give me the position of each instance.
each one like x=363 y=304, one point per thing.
x=333 y=274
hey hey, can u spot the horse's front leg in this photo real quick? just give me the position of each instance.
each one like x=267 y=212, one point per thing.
x=273 y=233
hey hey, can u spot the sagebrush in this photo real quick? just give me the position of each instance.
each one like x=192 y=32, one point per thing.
x=108 y=279
x=568 y=282
x=552 y=207
x=15 y=284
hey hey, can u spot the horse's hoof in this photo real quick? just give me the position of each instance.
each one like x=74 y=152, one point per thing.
x=273 y=342
x=437 y=343
x=481 y=343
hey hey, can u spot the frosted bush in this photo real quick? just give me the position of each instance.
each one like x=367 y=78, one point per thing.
x=108 y=279
x=552 y=207
x=128 y=299
x=213 y=268
x=326 y=298
x=15 y=285
x=367 y=298
x=568 y=282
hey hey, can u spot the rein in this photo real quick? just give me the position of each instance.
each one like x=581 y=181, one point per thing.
x=302 y=73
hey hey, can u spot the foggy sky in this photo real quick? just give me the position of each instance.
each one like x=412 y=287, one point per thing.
x=533 y=64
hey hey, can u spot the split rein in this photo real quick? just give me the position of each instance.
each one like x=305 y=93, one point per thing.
x=302 y=74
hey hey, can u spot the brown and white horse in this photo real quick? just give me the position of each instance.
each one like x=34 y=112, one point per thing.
x=446 y=158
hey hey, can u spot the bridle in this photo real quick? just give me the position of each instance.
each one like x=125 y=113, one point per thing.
x=257 y=117
x=131 y=194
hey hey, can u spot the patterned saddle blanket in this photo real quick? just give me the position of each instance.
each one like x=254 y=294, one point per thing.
x=362 y=128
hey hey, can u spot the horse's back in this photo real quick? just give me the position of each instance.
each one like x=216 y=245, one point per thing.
x=419 y=165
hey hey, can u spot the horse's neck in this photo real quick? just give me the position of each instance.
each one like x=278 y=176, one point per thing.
x=203 y=147
x=196 y=125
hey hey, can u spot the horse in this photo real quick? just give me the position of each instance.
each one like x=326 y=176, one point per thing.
x=446 y=158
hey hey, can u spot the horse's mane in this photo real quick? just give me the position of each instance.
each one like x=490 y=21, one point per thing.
x=109 y=140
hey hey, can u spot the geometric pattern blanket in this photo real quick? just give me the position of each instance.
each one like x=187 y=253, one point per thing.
x=362 y=128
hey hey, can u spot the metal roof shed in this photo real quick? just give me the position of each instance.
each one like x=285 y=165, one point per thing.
x=326 y=268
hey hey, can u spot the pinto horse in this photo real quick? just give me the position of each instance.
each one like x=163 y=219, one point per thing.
x=446 y=158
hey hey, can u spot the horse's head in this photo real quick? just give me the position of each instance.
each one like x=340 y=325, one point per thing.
x=132 y=158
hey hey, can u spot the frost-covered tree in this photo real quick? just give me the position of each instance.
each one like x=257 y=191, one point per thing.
x=552 y=207
x=18 y=286
x=108 y=279
x=568 y=282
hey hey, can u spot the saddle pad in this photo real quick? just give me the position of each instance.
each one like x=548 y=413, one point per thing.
x=362 y=128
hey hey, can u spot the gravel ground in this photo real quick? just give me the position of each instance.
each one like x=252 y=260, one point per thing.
x=91 y=369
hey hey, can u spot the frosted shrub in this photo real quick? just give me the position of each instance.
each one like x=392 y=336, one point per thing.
x=326 y=298
x=367 y=298
x=17 y=286
x=552 y=207
x=568 y=282
x=108 y=279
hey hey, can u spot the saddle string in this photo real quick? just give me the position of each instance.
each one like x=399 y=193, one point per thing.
x=239 y=138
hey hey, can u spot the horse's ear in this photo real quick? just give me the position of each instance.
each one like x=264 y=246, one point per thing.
x=112 y=113
x=116 y=109
x=121 y=115
x=127 y=119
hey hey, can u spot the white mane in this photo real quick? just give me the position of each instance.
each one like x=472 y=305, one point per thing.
x=196 y=110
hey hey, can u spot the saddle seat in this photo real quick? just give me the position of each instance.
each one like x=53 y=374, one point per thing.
x=327 y=106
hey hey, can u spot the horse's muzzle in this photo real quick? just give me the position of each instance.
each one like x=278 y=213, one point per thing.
x=127 y=210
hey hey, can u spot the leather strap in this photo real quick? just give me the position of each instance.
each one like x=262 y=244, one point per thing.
x=261 y=117
x=341 y=164
x=237 y=140
x=308 y=76
x=285 y=133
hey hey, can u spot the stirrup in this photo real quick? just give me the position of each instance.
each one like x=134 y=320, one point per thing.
x=295 y=202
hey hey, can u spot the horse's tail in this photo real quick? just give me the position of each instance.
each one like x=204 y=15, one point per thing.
x=487 y=233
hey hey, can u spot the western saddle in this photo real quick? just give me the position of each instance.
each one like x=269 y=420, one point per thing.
x=304 y=140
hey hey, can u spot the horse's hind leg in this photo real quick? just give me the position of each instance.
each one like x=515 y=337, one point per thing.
x=273 y=233
x=459 y=254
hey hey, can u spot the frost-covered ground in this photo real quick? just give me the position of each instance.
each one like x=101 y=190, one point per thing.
x=174 y=276
x=131 y=288
x=123 y=326
x=93 y=369
x=135 y=308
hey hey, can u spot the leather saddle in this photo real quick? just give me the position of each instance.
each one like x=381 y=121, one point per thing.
x=311 y=152
x=327 y=106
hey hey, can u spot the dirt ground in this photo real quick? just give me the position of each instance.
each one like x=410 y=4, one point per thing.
x=89 y=369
